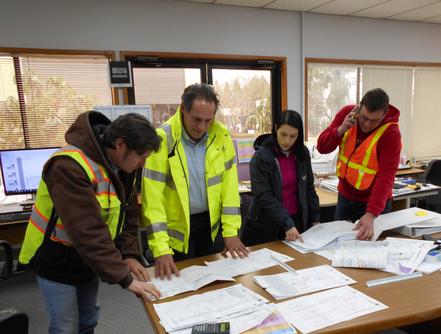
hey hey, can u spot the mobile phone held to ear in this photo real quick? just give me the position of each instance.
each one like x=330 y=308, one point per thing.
x=354 y=113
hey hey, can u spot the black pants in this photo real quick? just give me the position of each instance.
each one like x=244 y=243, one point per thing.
x=351 y=210
x=200 y=242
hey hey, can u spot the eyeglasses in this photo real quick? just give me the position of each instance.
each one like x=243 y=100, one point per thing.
x=374 y=121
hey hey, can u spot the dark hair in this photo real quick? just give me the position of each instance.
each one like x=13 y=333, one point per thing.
x=375 y=99
x=200 y=91
x=291 y=118
x=136 y=131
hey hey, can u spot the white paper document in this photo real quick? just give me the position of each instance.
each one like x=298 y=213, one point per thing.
x=208 y=307
x=399 y=218
x=257 y=260
x=394 y=255
x=304 y=281
x=242 y=322
x=423 y=227
x=192 y=278
x=406 y=255
x=361 y=254
x=321 y=235
x=326 y=308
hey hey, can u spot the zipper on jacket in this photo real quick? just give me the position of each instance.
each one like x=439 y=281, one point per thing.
x=209 y=144
x=183 y=170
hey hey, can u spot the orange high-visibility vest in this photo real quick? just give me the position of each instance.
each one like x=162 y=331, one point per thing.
x=359 y=165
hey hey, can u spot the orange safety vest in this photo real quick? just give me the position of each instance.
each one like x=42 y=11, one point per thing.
x=359 y=165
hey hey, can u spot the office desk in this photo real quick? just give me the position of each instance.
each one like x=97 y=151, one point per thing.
x=410 y=302
x=411 y=172
x=329 y=198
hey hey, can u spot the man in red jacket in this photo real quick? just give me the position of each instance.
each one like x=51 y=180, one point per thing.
x=369 y=143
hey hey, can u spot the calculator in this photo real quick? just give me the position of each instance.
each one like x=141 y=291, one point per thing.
x=217 y=328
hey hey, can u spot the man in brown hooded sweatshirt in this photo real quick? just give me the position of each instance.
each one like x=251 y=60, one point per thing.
x=85 y=218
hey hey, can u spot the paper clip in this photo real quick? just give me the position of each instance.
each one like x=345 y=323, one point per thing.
x=284 y=265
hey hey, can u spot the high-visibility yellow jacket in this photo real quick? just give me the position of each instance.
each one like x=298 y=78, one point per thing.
x=359 y=164
x=41 y=212
x=165 y=188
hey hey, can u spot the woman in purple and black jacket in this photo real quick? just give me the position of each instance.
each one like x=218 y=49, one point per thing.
x=285 y=203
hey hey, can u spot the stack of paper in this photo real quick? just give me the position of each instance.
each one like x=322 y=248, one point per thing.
x=275 y=323
x=428 y=226
x=394 y=255
x=361 y=254
x=330 y=183
x=399 y=218
x=326 y=308
x=304 y=281
x=226 y=304
x=321 y=235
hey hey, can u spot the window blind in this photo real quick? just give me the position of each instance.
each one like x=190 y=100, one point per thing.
x=11 y=128
x=397 y=83
x=426 y=122
x=50 y=92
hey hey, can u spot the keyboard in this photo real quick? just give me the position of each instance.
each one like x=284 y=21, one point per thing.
x=17 y=216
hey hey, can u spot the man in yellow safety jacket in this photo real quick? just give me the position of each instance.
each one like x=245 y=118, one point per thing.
x=85 y=219
x=369 y=142
x=190 y=186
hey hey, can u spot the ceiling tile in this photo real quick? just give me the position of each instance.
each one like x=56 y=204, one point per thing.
x=420 y=13
x=392 y=7
x=345 y=7
x=247 y=3
x=300 y=5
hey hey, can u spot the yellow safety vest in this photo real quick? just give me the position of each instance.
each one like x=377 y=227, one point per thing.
x=41 y=212
x=165 y=193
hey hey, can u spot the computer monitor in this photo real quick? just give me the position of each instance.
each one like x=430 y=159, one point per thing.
x=21 y=169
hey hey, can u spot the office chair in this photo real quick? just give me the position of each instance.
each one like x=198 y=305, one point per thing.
x=6 y=265
x=13 y=321
x=433 y=176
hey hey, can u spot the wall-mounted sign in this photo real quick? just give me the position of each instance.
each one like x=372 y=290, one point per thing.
x=120 y=74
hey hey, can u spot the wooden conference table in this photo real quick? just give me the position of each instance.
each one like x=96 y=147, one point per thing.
x=410 y=302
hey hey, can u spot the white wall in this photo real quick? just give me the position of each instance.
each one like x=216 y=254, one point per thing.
x=330 y=36
x=167 y=25
x=156 y=25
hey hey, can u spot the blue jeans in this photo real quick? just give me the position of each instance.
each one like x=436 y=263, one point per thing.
x=71 y=308
x=351 y=210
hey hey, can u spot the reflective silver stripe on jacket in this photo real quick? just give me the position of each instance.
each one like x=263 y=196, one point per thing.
x=154 y=175
x=230 y=163
x=215 y=226
x=176 y=234
x=162 y=227
x=103 y=184
x=214 y=180
x=170 y=182
x=42 y=223
x=169 y=136
x=231 y=210
x=160 y=177
x=157 y=227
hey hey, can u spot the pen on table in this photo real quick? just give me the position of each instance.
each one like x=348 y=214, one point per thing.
x=284 y=265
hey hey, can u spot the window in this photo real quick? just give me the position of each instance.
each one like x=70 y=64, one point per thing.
x=412 y=88
x=41 y=95
x=245 y=97
x=250 y=91
x=161 y=88
x=330 y=87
